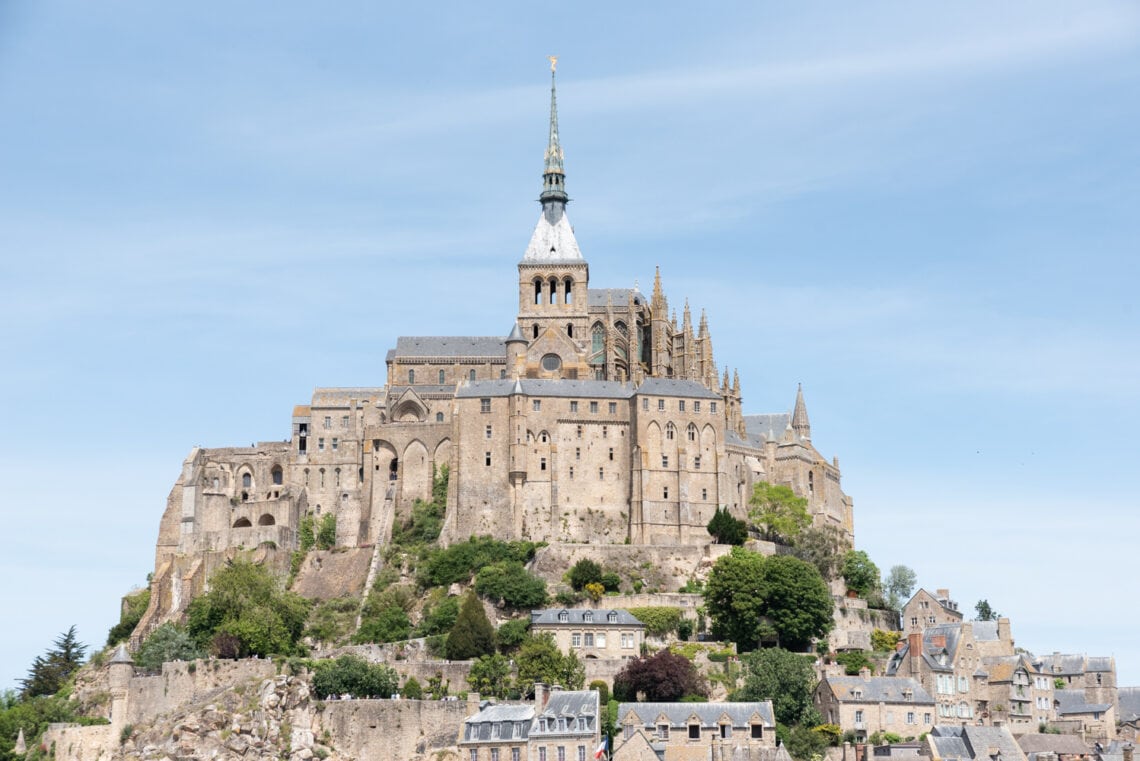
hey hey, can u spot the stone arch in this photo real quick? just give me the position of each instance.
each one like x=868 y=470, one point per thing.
x=538 y=291
x=409 y=410
x=442 y=454
x=653 y=440
x=245 y=476
x=415 y=473
x=553 y=290
x=568 y=290
x=278 y=475
x=385 y=463
x=242 y=523
x=267 y=519
x=708 y=438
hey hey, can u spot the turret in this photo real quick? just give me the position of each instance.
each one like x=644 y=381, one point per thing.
x=800 y=422
x=121 y=669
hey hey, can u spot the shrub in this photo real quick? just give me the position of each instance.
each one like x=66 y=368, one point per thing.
x=584 y=572
x=352 y=675
x=727 y=530
x=326 y=534
x=511 y=634
x=853 y=661
x=884 y=641
x=412 y=689
x=168 y=642
x=663 y=677
x=457 y=563
x=511 y=583
x=659 y=620
x=438 y=617
x=472 y=635
x=602 y=689
x=134 y=605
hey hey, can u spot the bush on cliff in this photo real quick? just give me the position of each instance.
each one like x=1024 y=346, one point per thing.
x=352 y=675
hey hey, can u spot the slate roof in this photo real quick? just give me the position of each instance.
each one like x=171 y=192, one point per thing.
x=674 y=387
x=975 y=742
x=571 y=389
x=569 y=704
x=449 y=346
x=577 y=616
x=985 y=631
x=1100 y=663
x=339 y=397
x=770 y=426
x=1129 y=700
x=878 y=689
x=678 y=714
x=599 y=297
x=1060 y=664
x=1034 y=742
x=1073 y=702
x=516 y=718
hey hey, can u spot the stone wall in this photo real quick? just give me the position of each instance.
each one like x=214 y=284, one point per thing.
x=391 y=730
x=184 y=682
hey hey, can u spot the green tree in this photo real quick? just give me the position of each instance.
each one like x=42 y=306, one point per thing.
x=168 y=642
x=985 y=612
x=438 y=617
x=52 y=670
x=389 y=624
x=352 y=675
x=854 y=660
x=426 y=521
x=134 y=605
x=751 y=598
x=489 y=675
x=511 y=634
x=412 y=689
x=247 y=613
x=659 y=620
x=457 y=563
x=787 y=679
x=820 y=546
x=539 y=660
x=472 y=636
x=326 y=532
x=727 y=530
x=899 y=586
x=584 y=572
x=860 y=573
x=797 y=601
x=805 y=743
x=511 y=584
x=777 y=512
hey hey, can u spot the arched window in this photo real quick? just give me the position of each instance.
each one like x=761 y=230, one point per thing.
x=411 y=377
x=441 y=377
x=278 y=475
x=242 y=523
x=246 y=480
x=536 y=330
x=537 y=291
x=266 y=520
x=439 y=417
x=598 y=336
x=811 y=482
x=568 y=290
x=471 y=375
x=670 y=431
x=692 y=432
x=569 y=330
x=553 y=290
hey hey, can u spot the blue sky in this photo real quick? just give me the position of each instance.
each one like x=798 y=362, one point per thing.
x=925 y=213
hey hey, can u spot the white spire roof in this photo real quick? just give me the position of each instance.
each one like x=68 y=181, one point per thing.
x=553 y=243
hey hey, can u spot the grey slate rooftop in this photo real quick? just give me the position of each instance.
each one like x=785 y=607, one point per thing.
x=885 y=689
x=598 y=297
x=1073 y=702
x=578 y=616
x=514 y=723
x=975 y=742
x=569 y=389
x=771 y=425
x=674 y=387
x=449 y=346
x=1129 y=699
x=709 y=714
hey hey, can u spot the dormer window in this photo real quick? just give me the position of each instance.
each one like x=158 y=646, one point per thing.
x=857 y=694
x=563 y=617
x=588 y=616
x=612 y=617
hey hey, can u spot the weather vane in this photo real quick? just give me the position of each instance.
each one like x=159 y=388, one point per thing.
x=553 y=62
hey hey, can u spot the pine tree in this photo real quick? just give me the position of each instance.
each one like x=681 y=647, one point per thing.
x=472 y=635
x=49 y=672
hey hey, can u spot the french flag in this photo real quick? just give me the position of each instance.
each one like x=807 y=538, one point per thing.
x=601 y=751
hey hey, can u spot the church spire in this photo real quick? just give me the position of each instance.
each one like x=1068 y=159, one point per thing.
x=553 y=174
x=800 y=422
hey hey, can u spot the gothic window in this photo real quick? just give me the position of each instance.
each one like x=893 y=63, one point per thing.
x=441 y=377
x=601 y=474
x=571 y=473
x=336 y=473
x=692 y=432
x=537 y=292
x=553 y=291
x=439 y=417
x=598 y=336
x=278 y=475
x=568 y=290
x=246 y=480
x=322 y=478
x=569 y=330
x=670 y=431
x=542 y=463
x=411 y=377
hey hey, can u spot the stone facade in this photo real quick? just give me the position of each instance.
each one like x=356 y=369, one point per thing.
x=590 y=633
x=925 y=609
x=598 y=418
x=865 y=705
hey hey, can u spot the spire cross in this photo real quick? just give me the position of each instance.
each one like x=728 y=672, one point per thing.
x=553 y=62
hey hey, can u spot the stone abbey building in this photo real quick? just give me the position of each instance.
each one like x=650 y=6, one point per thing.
x=596 y=417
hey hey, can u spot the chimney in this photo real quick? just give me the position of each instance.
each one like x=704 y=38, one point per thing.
x=915 y=646
x=1004 y=633
x=1127 y=750
x=942 y=594
x=472 y=703
x=540 y=696
x=865 y=674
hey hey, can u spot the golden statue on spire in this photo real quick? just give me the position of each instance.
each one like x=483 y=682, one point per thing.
x=553 y=62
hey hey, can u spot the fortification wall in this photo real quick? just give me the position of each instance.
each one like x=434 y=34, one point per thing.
x=184 y=682
x=391 y=730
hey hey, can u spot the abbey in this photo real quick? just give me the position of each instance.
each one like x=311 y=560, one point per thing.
x=596 y=417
